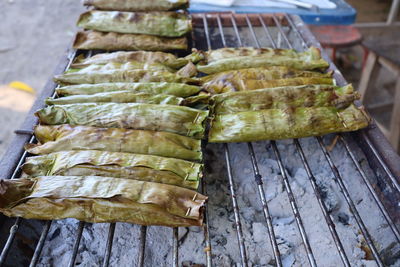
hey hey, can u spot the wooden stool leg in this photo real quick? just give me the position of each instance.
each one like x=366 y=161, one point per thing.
x=369 y=73
x=334 y=54
x=395 y=120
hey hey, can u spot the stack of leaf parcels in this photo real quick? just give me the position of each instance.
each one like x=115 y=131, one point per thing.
x=154 y=25
x=122 y=142
x=269 y=94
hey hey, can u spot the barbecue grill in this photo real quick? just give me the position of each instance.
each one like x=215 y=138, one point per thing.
x=321 y=201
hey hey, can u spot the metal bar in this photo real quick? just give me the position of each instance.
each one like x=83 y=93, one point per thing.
x=110 y=238
x=235 y=28
x=252 y=31
x=293 y=205
x=394 y=10
x=257 y=176
x=175 y=252
x=267 y=31
x=76 y=244
x=324 y=209
x=278 y=24
x=238 y=224
x=339 y=181
x=142 y=247
x=242 y=249
x=10 y=239
x=40 y=244
x=389 y=220
x=206 y=228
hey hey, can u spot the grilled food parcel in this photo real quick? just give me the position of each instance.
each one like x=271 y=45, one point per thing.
x=68 y=138
x=225 y=59
x=154 y=88
x=134 y=5
x=165 y=24
x=101 y=199
x=116 y=164
x=175 y=119
x=167 y=59
x=112 y=41
x=259 y=78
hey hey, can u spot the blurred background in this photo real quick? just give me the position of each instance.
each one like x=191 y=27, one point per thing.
x=35 y=33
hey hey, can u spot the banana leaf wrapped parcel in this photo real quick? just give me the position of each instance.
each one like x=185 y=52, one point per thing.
x=116 y=75
x=166 y=24
x=112 y=41
x=130 y=65
x=175 y=119
x=284 y=98
x=116 y=164
x=134 y=5
x=308 y=60
x=155 y=88
x=101 y=199
x=67 y=137
x=149 y=57
x=273 y=124
x=258 y=78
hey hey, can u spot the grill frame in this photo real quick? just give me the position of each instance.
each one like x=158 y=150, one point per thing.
x=382 y=158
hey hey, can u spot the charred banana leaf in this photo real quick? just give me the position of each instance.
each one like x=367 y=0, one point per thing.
x=131 y=65
x=116 y=164
x=117 y=97
x=111 y=41
x=66 y=138
x=175 y=89
x=228 y=52
x=106 y=76
x=308 y=60
x=284 y=98
x=166 y=24
x=134 y=5
x=175 y=119
x=273 y=124
x=166 y=59
x=101 y=199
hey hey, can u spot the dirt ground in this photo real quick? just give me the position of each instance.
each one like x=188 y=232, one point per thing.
x=34 y=34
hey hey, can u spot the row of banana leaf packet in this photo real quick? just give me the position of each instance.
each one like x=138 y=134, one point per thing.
x=122 y=141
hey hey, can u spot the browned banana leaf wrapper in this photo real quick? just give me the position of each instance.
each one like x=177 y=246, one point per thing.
x=284 y=98
x=111 y=41
x=166 y=59
x=258 y=78
x=117 y=97
x=101 y=199
x=175 y=89
x=67 y=137
x=131 y=65
x=175 y=119
x=308 y=60
x=110 y=76
x=134 y=5
x=273 y=124
x=116 y=164
x=166 y=24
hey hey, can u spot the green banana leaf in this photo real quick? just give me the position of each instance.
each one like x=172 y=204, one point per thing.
x=117 y=97
x=101 y=199
x=134 y=5
x=122 y=76
x=67 y=137
x=111 y=41
x=273 y=124
x=175 y=89
x=284 y=98
x=116 y=164
x=166 y=24
x=245 y=85
x=131 y=65
x=227 y=52
x=167 y=59
x=175 y=119
x=308 y=60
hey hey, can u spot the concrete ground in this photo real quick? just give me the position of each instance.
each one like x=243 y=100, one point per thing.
x=34 y=34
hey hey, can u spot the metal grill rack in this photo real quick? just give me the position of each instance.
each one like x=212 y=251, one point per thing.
x=278 y=31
